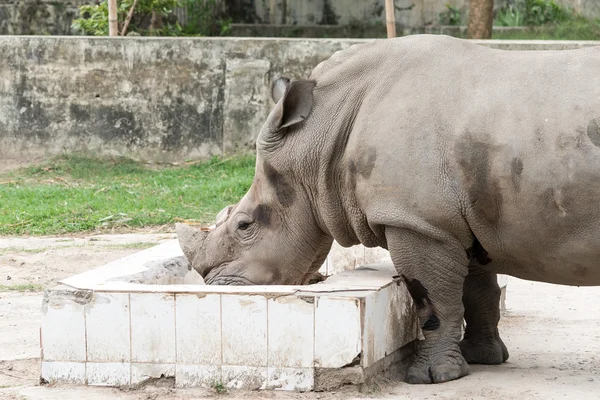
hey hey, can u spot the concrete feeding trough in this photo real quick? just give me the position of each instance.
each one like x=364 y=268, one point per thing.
x=149 y=316
x=145 y=316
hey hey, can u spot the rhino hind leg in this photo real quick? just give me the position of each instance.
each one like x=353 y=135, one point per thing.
x=481 y=298
x=434 y=274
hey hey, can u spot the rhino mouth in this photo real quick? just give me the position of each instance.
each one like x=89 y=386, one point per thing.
x=217 y=276
x=229 y=280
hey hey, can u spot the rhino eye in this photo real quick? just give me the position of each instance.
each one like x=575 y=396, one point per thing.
x=243 y=225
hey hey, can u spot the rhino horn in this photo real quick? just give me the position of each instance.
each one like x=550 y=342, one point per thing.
x=191 y=240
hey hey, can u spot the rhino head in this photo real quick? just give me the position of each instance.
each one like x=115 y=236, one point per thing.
x=273 y=234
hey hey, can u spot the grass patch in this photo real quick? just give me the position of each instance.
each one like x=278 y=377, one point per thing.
x=576 y=29
x=220 y=388
x=22 y=287
x=75 y=194
x=544 y=20
x=13 y=249
x=141 y=245
x=124 y=246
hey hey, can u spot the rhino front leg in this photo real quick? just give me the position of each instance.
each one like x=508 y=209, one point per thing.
x=481 y=298
x=434 y=272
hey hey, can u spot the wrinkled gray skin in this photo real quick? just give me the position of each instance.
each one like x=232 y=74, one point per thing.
x=461 y=160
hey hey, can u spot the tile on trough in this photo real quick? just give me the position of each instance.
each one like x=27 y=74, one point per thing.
x=390 y=322
x=297 y=379
x=401 y=319
x=118 y=286
x=198 y=329
x=374 y=333
x=107 y=328
x=244 y=330
x=195 y=375
x=152 y=328
x=129 y=265
x=337 y=331
x=108 y=374
x=63 y=324
x=244 y=377
x=143 y=372
x=371 y=276
x=290 y=332
x=63 y=372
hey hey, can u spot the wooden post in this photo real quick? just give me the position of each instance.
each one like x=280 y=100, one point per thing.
x=390 y=18
x=113 y=23
x=283 y=12
x=272 y=5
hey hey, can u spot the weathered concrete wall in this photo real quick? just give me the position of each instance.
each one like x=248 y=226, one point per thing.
x=590 y=8
x=149 y=98
x=422 y=12
x=38 y=17
x=54 y=17
x=156 y=99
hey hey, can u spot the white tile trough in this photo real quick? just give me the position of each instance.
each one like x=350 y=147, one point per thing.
x=144 y=317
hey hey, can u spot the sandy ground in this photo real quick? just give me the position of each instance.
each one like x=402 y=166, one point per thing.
x=551 y=331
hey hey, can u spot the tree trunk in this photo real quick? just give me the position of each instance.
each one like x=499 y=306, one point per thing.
x=481 y=19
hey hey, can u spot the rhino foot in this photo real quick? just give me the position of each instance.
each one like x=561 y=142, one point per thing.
x=490 y=352
x=442 y=368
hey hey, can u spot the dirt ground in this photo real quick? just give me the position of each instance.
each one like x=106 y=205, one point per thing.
x=552 y=332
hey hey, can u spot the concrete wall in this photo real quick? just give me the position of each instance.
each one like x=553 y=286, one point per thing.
x=38 y=17
x=306 y=12
x=44 y=17
x=150 y=98
x=590 y=8
x=423 y=12
x=155 y=99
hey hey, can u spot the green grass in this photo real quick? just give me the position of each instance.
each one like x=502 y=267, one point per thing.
x=37 y=250
x=220 y=388
x=141 y=245
x=75 y=194
x=22 y=287
x=575 y=29
x=13 y=249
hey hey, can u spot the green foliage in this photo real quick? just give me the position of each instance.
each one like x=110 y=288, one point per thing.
x=94 y=18
x=204 y=18
x=220 y=388
x=540 y=12
x=510 y=16
x=532 y=13
x=74 y=194
x=451 y=16
x=578 y=28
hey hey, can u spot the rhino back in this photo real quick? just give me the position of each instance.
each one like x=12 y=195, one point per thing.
x=454 y=139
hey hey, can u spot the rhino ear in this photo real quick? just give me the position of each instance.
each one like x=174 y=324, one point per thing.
x=278 y=88
x=294 y=106
x=191 y=240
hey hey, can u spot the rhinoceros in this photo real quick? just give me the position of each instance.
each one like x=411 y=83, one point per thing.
x=461 y=160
